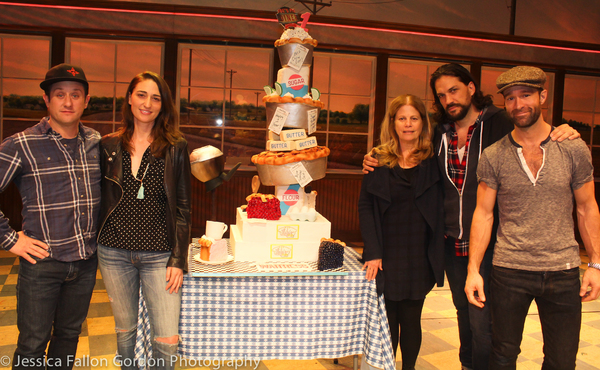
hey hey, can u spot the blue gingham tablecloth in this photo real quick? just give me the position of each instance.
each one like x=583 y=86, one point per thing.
x=287 y=317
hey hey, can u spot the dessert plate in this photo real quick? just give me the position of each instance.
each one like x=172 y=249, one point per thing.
x=198 y=259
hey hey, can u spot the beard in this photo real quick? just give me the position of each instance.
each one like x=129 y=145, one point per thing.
x=528 y=120
x=460 y=114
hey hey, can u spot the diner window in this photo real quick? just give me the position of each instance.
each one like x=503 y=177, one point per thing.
x=581 y=110
x=407 y=76
x=20 y=76
x=488 y=86
x=346 y=83
x=109 y=67
x=220 y=98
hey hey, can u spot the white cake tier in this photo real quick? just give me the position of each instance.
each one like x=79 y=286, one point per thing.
x=281 y=240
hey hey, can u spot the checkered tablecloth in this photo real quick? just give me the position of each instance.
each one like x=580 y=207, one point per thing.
x=287 y=317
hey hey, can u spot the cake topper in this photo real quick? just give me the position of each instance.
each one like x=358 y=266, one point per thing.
x=288 y=18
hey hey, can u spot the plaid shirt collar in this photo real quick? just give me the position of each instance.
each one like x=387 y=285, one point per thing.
x=457 y=170
x=46 y=128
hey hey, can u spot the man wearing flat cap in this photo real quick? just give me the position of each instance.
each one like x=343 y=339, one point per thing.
x=534 y=180
x=468 y=122
x=56 y=167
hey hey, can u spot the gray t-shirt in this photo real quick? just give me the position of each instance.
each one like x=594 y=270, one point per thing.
x=536 y=230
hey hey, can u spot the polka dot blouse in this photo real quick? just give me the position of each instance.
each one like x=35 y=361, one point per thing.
x=140 y=224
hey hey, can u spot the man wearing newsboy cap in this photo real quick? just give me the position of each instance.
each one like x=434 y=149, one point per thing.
x=534 y=180
x=56 y=167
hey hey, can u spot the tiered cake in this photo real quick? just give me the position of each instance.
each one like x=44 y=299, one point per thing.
x=292 y=160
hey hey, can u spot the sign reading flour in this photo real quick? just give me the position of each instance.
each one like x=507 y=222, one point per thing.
x=282 y=251
x=288 y=196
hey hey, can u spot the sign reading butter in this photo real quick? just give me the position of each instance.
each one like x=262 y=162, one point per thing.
x=282 y=251
x=287 y=232
x=296 y=134
x=275 y=146
x=306 y=143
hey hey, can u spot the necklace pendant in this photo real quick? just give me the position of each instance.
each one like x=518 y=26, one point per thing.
x=140 y=194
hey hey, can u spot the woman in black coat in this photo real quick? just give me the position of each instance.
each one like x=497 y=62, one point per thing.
x=401 y=220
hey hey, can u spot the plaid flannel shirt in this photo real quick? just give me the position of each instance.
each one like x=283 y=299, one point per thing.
x=60 y=190
x=457 y=170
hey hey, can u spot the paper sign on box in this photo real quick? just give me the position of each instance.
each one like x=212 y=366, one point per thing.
x=297 y=59
x=301 y=174
x=278 y=120
x=313 y=116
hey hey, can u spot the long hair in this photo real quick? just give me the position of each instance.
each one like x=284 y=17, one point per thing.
x=456 y=70
x=388 y=152
x=165 y=132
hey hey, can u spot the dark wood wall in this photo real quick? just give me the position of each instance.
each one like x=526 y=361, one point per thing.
x=337 y=199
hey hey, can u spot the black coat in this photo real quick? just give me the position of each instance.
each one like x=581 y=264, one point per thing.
x=375 y=198
x=177 y=185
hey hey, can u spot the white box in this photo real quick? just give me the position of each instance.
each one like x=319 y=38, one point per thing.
x=281 y=240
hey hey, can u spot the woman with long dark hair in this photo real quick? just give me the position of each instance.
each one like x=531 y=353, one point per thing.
x=145 y=218
x=401 y=222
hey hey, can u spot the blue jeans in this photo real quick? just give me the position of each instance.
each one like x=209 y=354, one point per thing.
x=474 y=323
x=556 y=294
x=123 y=271
x=53 y=298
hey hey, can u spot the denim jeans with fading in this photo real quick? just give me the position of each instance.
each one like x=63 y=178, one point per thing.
x=474 y=323
x=53 y=299
x=556 y=294
x=123 y=271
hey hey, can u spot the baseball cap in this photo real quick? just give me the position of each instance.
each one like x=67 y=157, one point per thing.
x=64 y=72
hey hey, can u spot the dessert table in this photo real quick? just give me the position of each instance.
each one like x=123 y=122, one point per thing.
x=229 y=318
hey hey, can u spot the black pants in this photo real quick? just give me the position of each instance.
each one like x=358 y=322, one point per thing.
x=404 y=318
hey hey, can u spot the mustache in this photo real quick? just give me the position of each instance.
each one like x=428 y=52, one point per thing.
x=522 y=110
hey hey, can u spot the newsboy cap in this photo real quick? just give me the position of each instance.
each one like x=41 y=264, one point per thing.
x=521 y=75
x=64 y=72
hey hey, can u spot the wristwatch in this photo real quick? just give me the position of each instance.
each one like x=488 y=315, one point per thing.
x=594 y=265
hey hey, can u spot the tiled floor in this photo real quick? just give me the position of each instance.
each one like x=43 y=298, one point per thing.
x=439 y=349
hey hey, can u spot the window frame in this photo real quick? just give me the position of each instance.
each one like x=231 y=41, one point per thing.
x=115 y=82
x=37 y=79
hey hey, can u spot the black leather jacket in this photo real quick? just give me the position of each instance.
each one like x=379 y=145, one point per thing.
x=177 y=185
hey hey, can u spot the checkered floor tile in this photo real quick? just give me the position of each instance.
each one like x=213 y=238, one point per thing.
x=439 y=350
